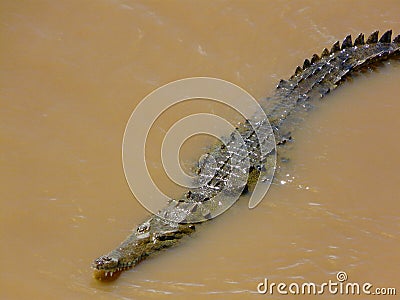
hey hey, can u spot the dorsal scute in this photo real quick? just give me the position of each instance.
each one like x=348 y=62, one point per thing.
x=306 y=64
x=325 y=52
x=386 y=37
x=359 y=41
x=298 y=70
x=281 y=83
x=373 y=38
x=335 y=47
x=347 y=43
x=314 y=58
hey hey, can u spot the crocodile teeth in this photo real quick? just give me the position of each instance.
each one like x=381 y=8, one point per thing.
x=386 y=37
x=347 y=42
x=359 y=40
x=373 y=38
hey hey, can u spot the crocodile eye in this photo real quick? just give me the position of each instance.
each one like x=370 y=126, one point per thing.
x=143 y=228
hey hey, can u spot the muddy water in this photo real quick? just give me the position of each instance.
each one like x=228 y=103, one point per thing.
x=72 y=72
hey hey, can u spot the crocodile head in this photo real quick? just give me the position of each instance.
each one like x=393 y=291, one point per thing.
x=108 y=267
x=149 y=237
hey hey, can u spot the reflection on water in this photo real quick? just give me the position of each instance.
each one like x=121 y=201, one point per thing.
x=71 y=74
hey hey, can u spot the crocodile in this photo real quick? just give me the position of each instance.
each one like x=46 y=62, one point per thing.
x=286 y=108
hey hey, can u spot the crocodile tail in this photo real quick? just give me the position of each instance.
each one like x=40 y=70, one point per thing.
x=323 y=73
x=335 y=65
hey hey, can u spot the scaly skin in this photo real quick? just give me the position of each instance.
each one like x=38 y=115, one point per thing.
x=149 y=237
x=286 y=108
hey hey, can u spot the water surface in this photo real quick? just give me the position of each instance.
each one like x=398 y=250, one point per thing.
x=73 y=71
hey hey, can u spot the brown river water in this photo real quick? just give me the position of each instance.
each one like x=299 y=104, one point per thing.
x=73 y=71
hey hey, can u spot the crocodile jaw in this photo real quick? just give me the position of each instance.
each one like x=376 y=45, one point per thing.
x=106 y=268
